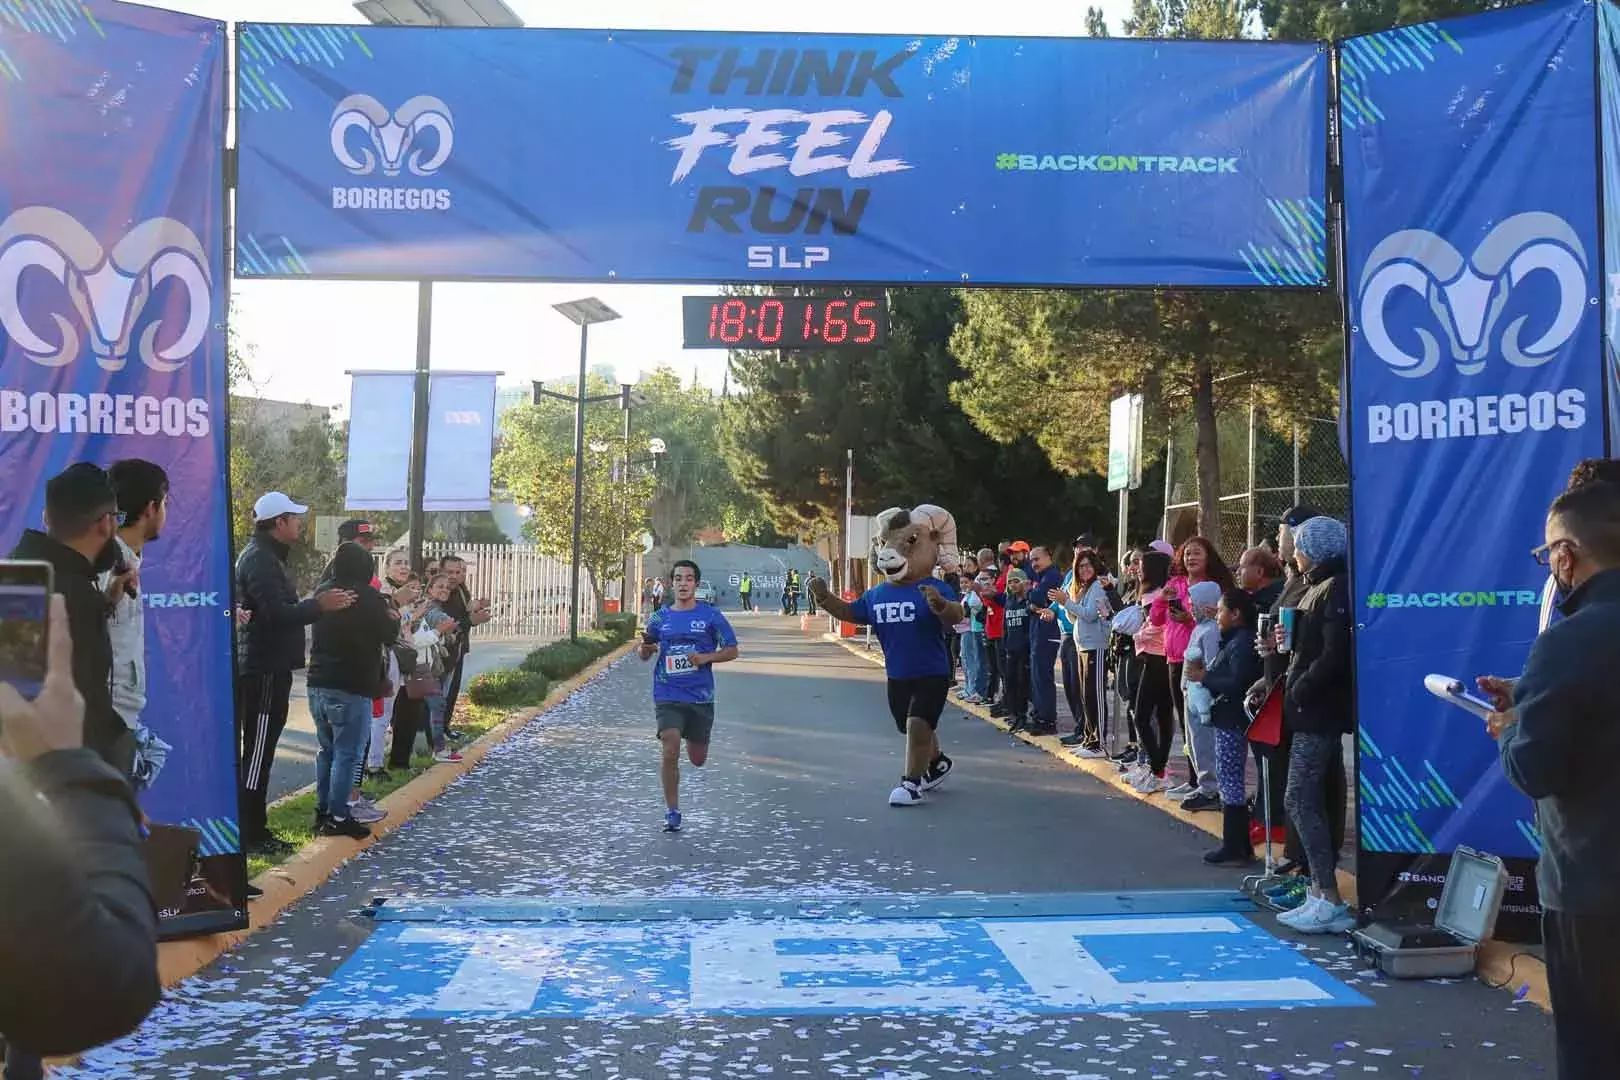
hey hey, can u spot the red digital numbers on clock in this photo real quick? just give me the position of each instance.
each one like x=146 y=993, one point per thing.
x=782 y=322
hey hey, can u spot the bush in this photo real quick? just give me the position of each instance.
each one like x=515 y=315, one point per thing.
x=559 y=659
x=621 y=624
x=508 y=689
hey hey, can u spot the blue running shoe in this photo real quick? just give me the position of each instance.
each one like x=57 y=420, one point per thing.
x=672 y=821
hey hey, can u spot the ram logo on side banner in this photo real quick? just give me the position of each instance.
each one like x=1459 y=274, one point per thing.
x=108 y=290
x=1468 y=296
x=393 y=136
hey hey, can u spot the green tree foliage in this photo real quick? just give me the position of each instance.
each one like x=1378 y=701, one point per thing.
x=786 y=435
x=696 y=489
x=1327 y=19
x=535 y=465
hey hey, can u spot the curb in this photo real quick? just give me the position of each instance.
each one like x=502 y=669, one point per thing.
x=312 y=865
x=1501 y=965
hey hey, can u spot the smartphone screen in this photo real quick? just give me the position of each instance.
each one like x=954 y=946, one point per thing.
x=25 y=589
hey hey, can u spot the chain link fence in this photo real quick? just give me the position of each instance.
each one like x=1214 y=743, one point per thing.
x=1264 y=470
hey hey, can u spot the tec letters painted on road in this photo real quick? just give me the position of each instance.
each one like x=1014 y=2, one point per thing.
x=794 y=967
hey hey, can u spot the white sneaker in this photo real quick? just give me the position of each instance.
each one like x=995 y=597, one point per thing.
x=1148 y=783
x=1324 y=917
x=1291 y=918
x=366 y=812
x=1091 y=752
x=1132 y=774
x=1181 y=791
x=907 y=794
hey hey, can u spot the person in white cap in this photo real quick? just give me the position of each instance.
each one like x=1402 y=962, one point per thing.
x=272 y=649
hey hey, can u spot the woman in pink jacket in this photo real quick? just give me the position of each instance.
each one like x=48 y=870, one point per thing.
x=1155 y=708
x=1197 y=561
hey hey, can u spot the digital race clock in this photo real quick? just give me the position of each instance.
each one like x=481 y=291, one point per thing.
x=784 y=322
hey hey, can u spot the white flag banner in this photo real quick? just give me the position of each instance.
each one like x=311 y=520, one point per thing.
x=461 y=441
x=380 y=405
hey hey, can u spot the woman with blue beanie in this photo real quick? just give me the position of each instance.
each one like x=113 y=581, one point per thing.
x=1318 y=713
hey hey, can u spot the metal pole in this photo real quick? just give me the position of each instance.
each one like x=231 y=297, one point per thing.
x=624 y=516
x=849 y=519
x=1296 y=463
x=1249 y=534
x=416 y=497
x=1124 y=513
x=1169 y=486
x=579 y=482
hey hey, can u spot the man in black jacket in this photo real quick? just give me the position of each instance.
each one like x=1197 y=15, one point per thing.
x=81 y=516
x=272 y=649
x=1558 y=732
x=78 y=933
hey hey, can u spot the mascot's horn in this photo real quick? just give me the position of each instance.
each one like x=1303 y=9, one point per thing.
x=940 y=520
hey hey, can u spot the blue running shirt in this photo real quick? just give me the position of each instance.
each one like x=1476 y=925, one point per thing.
x=912 y=637
x=680 y=633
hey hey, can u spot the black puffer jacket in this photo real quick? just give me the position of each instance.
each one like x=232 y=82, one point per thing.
x=1319 y=671
x=347 y=651
x=78 y=935
x=274 y=637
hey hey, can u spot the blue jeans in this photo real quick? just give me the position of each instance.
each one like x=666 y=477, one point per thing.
x=342 y=721
x=972 y=660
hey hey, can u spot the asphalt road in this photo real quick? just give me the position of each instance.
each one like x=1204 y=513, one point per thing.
x=295 y=753
x=793 y=804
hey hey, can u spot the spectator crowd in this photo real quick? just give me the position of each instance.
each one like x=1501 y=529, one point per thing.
x=1170 y=664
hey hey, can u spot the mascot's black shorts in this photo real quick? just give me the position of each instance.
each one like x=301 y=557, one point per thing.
x=923 y=698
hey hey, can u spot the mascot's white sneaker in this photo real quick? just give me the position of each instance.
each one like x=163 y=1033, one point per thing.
x=936 y=774
x=907 y=794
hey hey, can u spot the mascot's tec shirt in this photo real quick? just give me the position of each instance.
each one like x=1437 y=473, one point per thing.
x=912 y=637
x=679 y=634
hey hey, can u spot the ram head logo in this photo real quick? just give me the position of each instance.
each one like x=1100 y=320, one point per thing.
x=109 y=291
x=393 y=138
x=1468 y=296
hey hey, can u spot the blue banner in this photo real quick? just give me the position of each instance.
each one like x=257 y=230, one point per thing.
x=1609 y=80
x=112 y=345
x=647 y=156
x=460 y=441
x=1476 y=383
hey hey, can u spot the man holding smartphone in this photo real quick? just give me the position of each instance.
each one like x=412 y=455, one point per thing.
x=81 y=514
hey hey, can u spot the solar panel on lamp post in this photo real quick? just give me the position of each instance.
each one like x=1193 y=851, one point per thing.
x=583 y=314
x=493 y=13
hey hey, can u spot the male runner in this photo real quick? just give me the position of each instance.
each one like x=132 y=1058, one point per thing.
x=689 y=637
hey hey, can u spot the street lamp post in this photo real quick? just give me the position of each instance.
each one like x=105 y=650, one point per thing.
x=583 y=314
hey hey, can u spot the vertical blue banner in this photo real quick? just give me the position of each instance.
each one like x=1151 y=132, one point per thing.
x=1609 y=93
x=461 y=441
x=380 y=440
x=1476 y=383
x=112 y=345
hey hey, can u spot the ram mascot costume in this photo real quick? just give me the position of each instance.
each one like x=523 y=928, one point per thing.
x=912 y=612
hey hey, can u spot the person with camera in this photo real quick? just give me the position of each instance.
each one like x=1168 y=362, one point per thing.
x=78 y=929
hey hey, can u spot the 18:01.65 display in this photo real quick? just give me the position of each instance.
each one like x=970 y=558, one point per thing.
x=783 y=322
